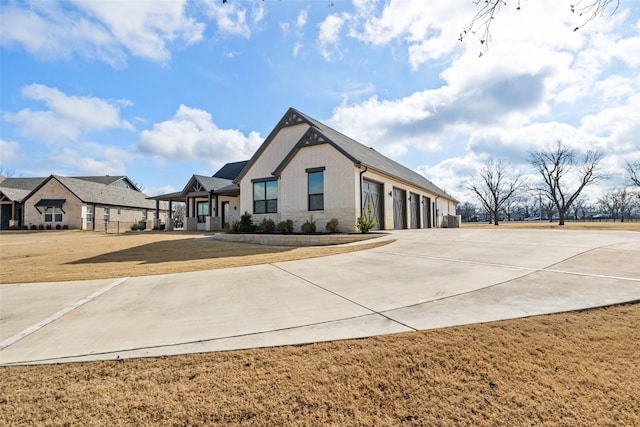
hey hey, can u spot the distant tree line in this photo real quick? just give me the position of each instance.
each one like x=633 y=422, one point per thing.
x=503 y=195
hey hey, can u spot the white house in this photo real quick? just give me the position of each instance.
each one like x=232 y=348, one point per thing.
x=306 y=169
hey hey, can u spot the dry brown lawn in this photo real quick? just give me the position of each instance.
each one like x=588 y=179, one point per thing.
x=570 y=369
x=567 y=369
x=80 y=255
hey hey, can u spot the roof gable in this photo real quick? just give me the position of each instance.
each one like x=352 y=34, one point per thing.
x=355 y=151
x=205 y=184
x=92 y=192
x=119 y=181
x=17 y=189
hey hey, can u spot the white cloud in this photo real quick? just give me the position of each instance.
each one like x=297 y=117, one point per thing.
x=67 y=116
x=103 y=160
x=302 y=18
x=329 y=37
x=106 y=31
x=191 y=135
x=9 y=151
x=233 y=18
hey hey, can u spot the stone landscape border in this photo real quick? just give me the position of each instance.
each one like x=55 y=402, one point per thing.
x=296 y=239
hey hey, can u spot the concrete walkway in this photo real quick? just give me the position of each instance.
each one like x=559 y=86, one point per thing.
x=426 y=279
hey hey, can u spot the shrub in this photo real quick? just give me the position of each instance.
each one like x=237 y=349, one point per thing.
x=235 y=227
x=266 y=226
x=246 y=223
x=134 y=227
x=58 y=227
x=309 y=226
x=366 y=221
x=34 y=227
x=48 y=226
x=25 y=227
x=285 y=227
x=333 y=226
x=65 y=227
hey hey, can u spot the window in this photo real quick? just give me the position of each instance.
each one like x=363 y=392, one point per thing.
x=52 y=214
x=106 y=214
x=315 y=178
x=265 y=196
x=144 y=214
x=89 y=214
x=203 y=211
x=118 y=211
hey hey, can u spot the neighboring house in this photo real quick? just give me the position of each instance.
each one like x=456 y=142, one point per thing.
x=13 y=192
x=306 y=169
x=88 y=203
x=212 y=202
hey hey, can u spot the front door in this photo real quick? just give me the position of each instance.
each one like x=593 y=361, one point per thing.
x=225 y=215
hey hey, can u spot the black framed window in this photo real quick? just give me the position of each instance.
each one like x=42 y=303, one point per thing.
x=315 y=180
x=48 y=214
x=265 y=196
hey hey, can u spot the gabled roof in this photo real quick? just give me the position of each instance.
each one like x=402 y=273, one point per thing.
x=17 y=189
x=97 y=193
x=121 y=180
x=359 y=154
x=205 y=184
x=231 y=170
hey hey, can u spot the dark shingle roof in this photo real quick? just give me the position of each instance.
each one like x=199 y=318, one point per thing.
x=17 y=189
x=366 y=156
x=231 y=170
x=93 y=192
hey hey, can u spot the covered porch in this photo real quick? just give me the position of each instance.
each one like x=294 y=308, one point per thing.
x=211 y=204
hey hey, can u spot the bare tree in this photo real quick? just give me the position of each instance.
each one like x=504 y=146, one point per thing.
x=494 y=187
x=633 y=169
x=555 y=164
x=578 y=205
x=481 y=22
x=466 y=210
x=624 y=199
x=608 y=205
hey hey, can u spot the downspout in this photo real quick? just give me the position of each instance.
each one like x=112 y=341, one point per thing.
x=366 y=168
x=437 y=223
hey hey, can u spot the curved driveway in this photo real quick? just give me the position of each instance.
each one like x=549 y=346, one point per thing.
x=425 y=279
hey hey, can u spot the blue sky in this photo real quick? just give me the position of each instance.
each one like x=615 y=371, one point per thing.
x=162 y=90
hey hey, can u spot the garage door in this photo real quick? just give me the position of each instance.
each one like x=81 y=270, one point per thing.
x=372 y=193
x=399 y=209
x=414 y=209
x=426 y=203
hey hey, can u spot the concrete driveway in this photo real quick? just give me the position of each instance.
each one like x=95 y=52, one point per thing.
x=426 y=279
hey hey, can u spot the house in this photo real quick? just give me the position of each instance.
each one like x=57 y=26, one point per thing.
x=87 y=203
x=306 y=169
x=13 y=192
x=212 y=202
